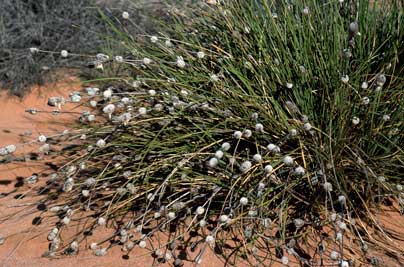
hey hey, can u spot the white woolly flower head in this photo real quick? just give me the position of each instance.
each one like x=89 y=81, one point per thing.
x=109 y=109
x=307 y=126
x=142 y=244
x=219 y=154
x=154 y=39
x=200 y=54
x=257 y=158
x=42 y=138
x=299 y=171
x=200 y=210
x=224 y=218
x=355 y=120
x=288 y=160
x=259 y=127
x=285 y=260
x=125 y=15
x=237 y=134
x=142 y=111
x=64 y=53
x=101 y=143
x=180 y=62
x=289 y=85
x=213 y=162
x=364 y=85
x=273 y=148
x=365 y=100
x=327 y=186
x=214 y=78
x=168 y=43
x=245 y=166
x=247 y=133
x=107 y=93
x=345 y=78
x=33 y=50
x=210 y=239
x=243 y=201
x=225 y=146
x=293 y=132
x=147 y=61
x=268 y=169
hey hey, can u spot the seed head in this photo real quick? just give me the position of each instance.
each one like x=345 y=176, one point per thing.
x=299 y=223
x=288 y=160
x=180 y=62
x=345 y=78
x=64 y=53
x=214 y=78
x=213 y=162
x=118 y=59
x=93 y=246
x=171 y=215
x=273 y=148
x=168 y=43
x=33 y=50
x=142 y=244
x=289 y=85
x=210 y=239
x=200 y=54
x=299 y=171
x=365 y=85
x=225 y=146
x=154 y=39
x=327 y=186
x=268 y=169
x=245 y=166
x=142 y=111
x=307 y=126
x=100 y=252
x=243 y=201
x=386 y=117
x=259 y=127
x=334 y=255
x=109 y=109
x=381 y=179
x=66 y=220
x=10 y=148
x=293 y=132
x=101 y=143
x=342 y=199
x=219 y=154
x=200 y=210
x=355 y=120
x=146 y=61
x=247 y=133
x=224 y=218
x=125 y=15
x=285 y=260
x=342 y=226
x=381 y=79
x=101 y=221
x=257 y=158
x=237 y=134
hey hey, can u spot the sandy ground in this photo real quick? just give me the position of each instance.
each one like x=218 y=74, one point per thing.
x=24 y=244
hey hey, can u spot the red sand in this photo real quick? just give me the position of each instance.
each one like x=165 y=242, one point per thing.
x=24 y=243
